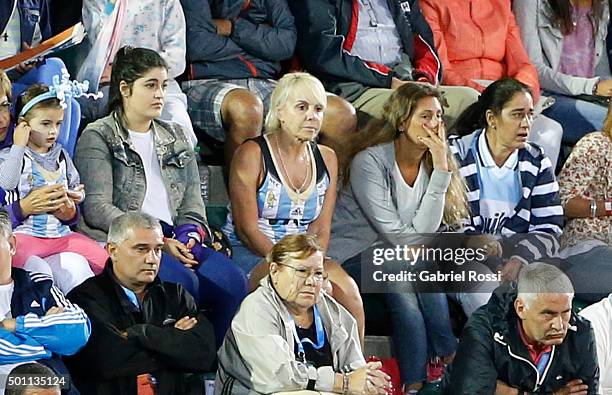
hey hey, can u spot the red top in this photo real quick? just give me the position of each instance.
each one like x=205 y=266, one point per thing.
x=534 y=351
x=478 y=39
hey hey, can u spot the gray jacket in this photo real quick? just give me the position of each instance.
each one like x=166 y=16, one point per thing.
x=367 y=209
x=544 y=44
x=114 y=177
x=257 y=355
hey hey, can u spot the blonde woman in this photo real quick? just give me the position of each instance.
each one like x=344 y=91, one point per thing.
x=285 y=183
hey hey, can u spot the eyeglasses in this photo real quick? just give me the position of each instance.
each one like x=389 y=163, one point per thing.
x=318 y=276
x=5 y=107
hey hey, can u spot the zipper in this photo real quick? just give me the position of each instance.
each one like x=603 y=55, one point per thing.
x=435 y=56
x=539 y=380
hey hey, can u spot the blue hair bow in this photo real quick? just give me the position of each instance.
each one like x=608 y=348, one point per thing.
x=62 y=89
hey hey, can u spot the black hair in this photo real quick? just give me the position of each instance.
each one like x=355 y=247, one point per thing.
x=130 y=64
x=33 y=369
x=563 y=19
x=494 y=98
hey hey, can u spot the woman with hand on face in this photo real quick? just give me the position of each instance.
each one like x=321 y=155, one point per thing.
x=290 y=335
x=403 y=181
x=512 y=190
x=131 y=160
x=285 y=183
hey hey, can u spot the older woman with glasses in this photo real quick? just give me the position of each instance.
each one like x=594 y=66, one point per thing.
x=290 y=335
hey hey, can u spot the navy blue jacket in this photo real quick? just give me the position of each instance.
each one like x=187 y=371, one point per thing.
x=264 y=34
x=491 y=349
x=37 y=336
x=31 y=12
x=326 y=34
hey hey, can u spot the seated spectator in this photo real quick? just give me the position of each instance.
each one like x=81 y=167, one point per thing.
x=363 y=50
x=526 y=340
x=38 y=322
x=131 y=160
x=600 y=315
x=144 y=330
x=23 y=25
x=33 y=379
x=158 y=25
x=512 y=191
x=290 y=335
x=566 y=42
x=403 y=180
x=40 y=200
x=36 y=160
x=284 y=183
x=457 y=25
x=585 y=187
x=235 y=55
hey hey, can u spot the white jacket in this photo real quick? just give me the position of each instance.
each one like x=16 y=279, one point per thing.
x=600 y=315
x=257 y=354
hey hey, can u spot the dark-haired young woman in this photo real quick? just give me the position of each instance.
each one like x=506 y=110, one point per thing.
x=566 y=42
x=130 y=160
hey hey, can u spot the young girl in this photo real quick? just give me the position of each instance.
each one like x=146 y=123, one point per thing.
x=33 y=161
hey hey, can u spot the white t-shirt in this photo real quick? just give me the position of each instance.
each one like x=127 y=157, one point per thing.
x=409 y=197
x=600 y=315
x=156 y=202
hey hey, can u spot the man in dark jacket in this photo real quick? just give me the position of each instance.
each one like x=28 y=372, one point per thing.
x=527 y=341
x=146 y=333
x=363 y=49
x=234 y=50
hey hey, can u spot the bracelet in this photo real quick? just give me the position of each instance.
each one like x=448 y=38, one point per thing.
x=608 y=207
x=593 y=208
x=345 y=383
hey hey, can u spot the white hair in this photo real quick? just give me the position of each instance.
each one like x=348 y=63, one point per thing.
x=123 y=225
x=541 y=278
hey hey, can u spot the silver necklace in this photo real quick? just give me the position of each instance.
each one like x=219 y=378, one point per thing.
x=293 y=188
